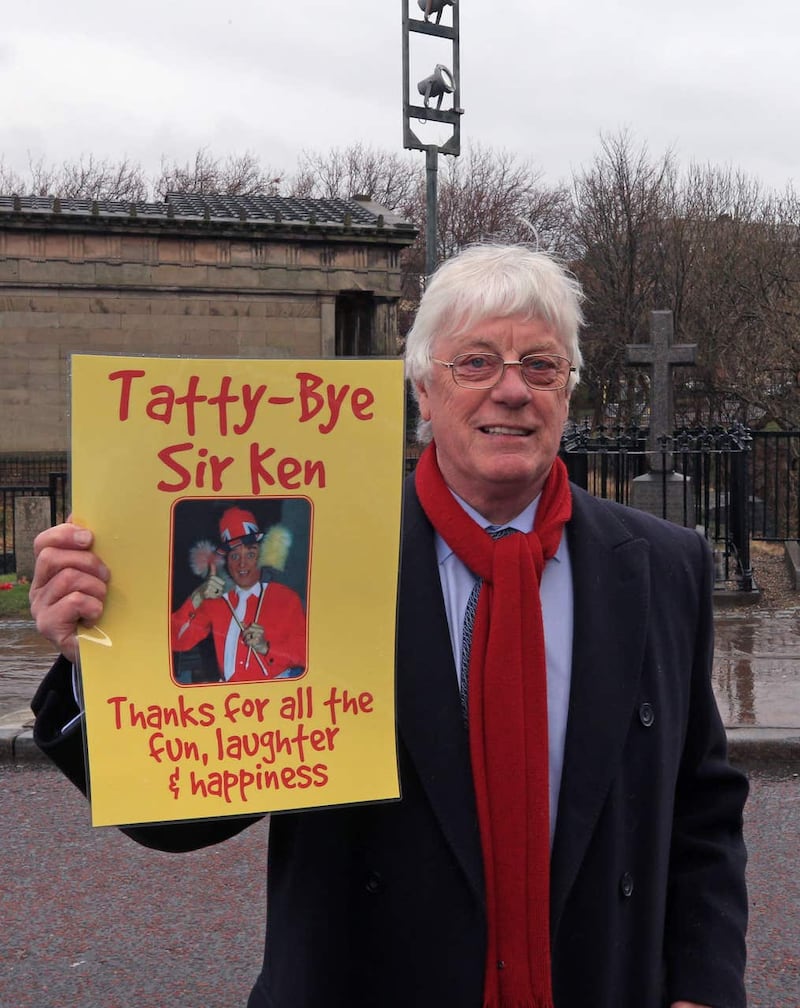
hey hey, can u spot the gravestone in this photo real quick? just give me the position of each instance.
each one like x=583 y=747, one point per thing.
x=31 y=516
x=662 y=491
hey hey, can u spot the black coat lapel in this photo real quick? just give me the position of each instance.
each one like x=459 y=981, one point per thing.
x=430 y=721
x=611 y=580
x=610 y=572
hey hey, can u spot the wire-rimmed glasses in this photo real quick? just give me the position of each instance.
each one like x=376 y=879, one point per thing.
x=478 y=370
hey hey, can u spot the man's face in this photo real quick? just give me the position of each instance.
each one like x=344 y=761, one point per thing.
x=243 y=565
x=495 y=446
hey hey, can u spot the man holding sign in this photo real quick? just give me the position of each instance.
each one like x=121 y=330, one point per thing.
x=569 y=832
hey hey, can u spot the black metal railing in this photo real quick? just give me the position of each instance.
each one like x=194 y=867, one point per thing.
x=54 y=487
x=700 y=479
x=738 y=485
x=31 y=468
x=775 y=497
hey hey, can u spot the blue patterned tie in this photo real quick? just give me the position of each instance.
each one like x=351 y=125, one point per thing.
x=469 y=624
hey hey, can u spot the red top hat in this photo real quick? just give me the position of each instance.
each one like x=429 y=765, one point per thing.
x=238 y=527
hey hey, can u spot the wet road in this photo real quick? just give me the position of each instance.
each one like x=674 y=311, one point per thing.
x=91 y=919
x=756 y=678
x=24 y=658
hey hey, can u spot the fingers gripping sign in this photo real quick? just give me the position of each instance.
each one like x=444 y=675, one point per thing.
x=69 y=585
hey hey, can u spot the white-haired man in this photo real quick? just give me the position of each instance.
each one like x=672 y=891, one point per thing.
x=569 y=832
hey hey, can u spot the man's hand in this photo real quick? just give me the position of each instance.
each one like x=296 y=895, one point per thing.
x=687 y=1004
x=213 y=587
x=254 y=638
x=68 y=587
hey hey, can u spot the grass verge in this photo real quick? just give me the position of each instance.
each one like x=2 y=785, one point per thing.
x=14 y=600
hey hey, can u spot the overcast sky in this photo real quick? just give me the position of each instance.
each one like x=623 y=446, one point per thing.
x=715 y=80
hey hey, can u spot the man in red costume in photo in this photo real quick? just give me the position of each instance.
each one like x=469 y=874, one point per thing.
x=258 y=626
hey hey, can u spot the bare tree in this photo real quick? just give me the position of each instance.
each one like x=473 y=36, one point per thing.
x=86 y=178
x=235 y=175
x=715 y=249
x=10 y=181
x=44 y=179
x=387 y=177
x=492 y=195
x=484 y=195
x=89 y=178
x=740 y=295
x=621 y=206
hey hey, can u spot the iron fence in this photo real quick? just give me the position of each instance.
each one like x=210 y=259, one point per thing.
x=29 y=476
x=775 y=496
x=700 y=479
x=31 y=468
x=736 y=484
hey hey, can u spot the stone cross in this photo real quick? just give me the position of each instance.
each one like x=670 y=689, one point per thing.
x=661 y=356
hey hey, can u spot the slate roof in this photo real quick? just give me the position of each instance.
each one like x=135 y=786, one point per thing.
x=253 y=212
x=267 y=207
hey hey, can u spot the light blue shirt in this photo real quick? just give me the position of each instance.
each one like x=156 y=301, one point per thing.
x=557 y=613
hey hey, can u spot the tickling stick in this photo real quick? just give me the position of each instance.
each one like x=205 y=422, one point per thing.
x=255 y=620
x=241 y=630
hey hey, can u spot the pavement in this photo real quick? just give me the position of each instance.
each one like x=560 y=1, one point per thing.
x=756 y=680
x=91 y=953
x=119 y=905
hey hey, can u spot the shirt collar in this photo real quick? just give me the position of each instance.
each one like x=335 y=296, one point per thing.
x=522 y=523
x=245 y=593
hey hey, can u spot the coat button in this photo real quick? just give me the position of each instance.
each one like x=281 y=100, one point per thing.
x=647 y=715
x=374 y=883
x=626 y=884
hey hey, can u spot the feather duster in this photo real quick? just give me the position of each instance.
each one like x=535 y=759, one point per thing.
x=202 y=557
x=205 y=559
x=275 y=547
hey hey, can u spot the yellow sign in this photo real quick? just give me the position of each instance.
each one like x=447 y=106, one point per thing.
x=249 y=512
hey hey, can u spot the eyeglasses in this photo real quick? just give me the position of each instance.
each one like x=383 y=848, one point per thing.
x=544 y=372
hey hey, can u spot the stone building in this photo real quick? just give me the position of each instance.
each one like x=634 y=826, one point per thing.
x=205 y=276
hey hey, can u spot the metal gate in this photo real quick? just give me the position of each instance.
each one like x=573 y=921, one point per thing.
x=29 y=477
x=716 y=486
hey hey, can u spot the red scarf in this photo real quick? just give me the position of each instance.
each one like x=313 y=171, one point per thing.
x=508 y=730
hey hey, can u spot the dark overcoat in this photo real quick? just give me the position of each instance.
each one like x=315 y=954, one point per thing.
x=382 y=906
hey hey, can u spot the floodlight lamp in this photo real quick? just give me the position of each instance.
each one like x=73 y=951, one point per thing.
x=437 y=85
x=436 y=7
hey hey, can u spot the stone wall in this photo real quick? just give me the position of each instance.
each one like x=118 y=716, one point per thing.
x=86 y=286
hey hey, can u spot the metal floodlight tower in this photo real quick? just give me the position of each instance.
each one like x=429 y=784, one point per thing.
x=436 y=7
x=443 y=83
x=437 y=85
